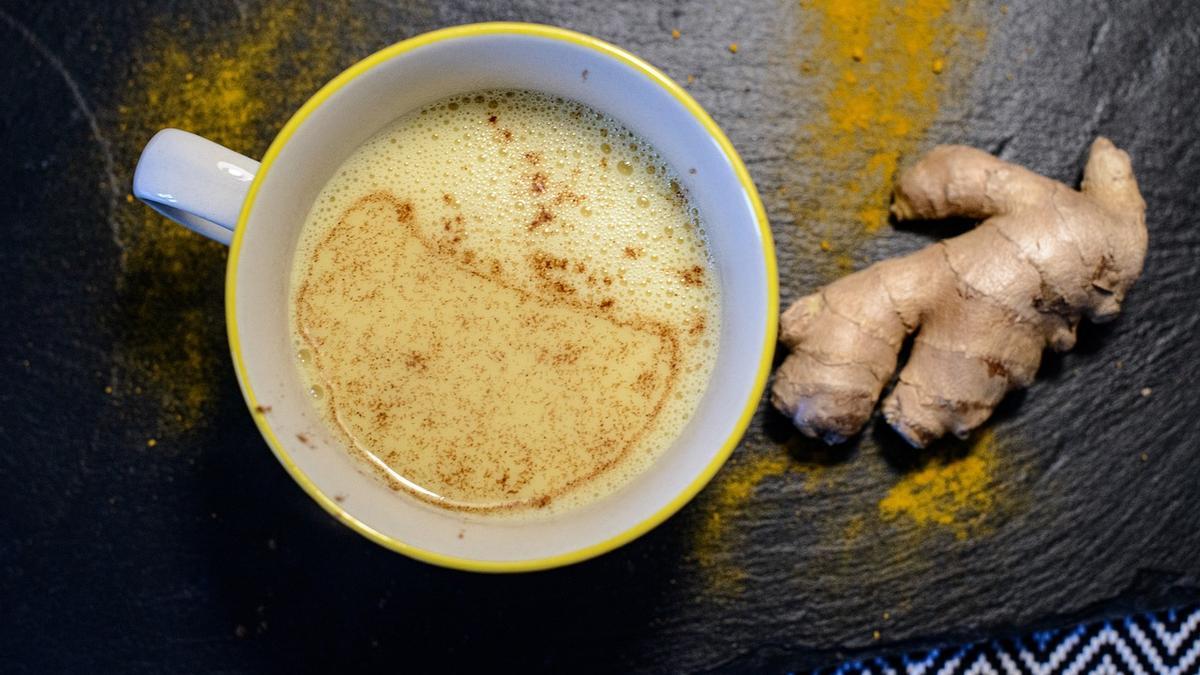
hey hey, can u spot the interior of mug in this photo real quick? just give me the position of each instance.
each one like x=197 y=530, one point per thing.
x=407 y=77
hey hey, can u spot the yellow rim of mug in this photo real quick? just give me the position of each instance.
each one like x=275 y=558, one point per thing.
x=553 y=33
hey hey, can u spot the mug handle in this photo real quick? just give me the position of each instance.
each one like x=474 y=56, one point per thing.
x=194 y=182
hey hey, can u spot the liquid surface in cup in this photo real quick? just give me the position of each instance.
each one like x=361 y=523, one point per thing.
x=505 y=304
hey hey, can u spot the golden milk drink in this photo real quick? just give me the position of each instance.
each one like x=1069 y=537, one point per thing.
x=504 y=303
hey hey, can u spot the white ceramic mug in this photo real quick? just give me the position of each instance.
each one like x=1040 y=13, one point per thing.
x=261 y=208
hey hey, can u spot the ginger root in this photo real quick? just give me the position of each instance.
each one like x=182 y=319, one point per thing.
x=984 y=305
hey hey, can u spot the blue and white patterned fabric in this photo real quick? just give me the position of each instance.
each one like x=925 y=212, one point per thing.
x=1162 y=643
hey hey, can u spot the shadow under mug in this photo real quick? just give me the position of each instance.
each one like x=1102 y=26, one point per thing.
x=259 y=209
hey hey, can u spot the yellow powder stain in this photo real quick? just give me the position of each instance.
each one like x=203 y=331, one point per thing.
x=854 y=528
x=729 y=498
x=235 y=84
x=957 y=494
x=872 y=64
x=724 y=499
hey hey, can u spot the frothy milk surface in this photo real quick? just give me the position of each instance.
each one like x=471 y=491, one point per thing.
x=504 y=303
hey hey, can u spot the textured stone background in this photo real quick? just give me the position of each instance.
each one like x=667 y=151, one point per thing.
x=145 y=527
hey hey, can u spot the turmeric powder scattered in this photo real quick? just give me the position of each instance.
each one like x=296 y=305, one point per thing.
x=236 y=85
x=854 y=529
x=724 y=501
x=956 y=494
x=875 y=109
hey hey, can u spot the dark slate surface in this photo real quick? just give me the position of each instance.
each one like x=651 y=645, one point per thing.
x=199 y=554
